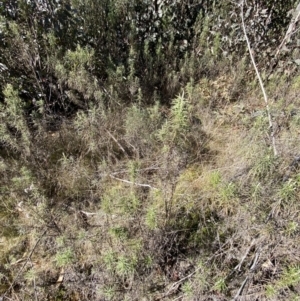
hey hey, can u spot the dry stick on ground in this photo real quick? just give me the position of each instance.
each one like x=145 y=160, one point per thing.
x=133 y=183
x=260 y=82
x=34 y=285
x=242 y=287
x=117 y=142
x=24 y=265
x=176 y=284
x=238 y=267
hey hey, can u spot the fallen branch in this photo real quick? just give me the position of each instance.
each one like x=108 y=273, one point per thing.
x=133 y=183
x=240 y=291
x=60 y=278
x=88 y=213
x=117 y=142
x=34 y=285
x=176 y=284
x=238 y=267
x=253 y=265
x=25 y=263
x=138 y=170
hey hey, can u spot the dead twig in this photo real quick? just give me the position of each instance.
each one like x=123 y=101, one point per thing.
x=34 y=284
x=176 y=284
x=117 y=142
x=240 y=291
x=22 y=268
x=290 y=31
x=238 y=267
x=253 y=265
x=272 y=130
x=87 y=214
x=60 y=278
x=133 y=183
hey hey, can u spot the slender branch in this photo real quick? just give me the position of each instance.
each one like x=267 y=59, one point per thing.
x=253 y=265
x=290 y=30
x=240 y=291
x=133 y=183
x=177 y=283
x=34 y=284
x=260 y=82
x=25 y=263
x=255 y=260
x=88 y=213
x=238 y=267
x=60 y=278
x=117 y=142
x=177 y=298
x=139 y=170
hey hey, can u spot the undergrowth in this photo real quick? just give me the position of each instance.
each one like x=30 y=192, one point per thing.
x=156 y=204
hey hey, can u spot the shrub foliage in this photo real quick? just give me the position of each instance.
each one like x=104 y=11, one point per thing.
x=135 y=155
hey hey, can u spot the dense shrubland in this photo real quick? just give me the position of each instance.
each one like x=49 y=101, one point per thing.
x=135 y=153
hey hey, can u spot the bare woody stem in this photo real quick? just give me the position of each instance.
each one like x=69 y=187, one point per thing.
x=272 y=130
